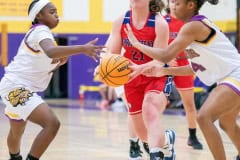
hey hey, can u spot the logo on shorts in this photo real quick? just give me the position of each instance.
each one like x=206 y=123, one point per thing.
x=19 y=96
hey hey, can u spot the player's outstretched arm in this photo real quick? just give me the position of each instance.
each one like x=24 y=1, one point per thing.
x=53 y=51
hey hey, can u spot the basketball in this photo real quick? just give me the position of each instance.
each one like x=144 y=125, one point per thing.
x=114 y=70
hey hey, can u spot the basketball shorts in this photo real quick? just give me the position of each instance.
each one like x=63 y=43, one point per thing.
x=137 y=88
x=19 y=101
x=232 y=81
x=183 y=82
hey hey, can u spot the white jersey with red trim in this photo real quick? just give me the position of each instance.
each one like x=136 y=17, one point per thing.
x=215 y=58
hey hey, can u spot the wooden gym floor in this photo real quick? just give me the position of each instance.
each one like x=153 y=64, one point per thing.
x=88 y=133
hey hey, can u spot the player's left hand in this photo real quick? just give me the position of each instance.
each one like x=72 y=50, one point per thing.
x=131 y=37
x=136 y=70
x=63 y=61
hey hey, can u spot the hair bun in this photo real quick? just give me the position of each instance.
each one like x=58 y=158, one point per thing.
x=155 y=8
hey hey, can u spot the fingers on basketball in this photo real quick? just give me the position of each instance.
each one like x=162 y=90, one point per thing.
x=114 y=70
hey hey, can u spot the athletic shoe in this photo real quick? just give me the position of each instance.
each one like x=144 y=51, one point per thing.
x=170 y=155
x=146 y=148
x=157 y=156
x=237 y=158
x=194 y=143
x=16 y=158
x=135 y=152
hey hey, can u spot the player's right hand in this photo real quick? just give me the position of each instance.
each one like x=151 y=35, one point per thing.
x=93 y=50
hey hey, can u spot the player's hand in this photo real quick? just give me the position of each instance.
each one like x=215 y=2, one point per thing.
x=63 y=61
x=93 y=50
x=131 y=37
x=136 y=70
x=154 y=71
x=173 y=63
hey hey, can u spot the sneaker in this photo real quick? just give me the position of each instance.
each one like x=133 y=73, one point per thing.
x=16 y=158
x=194 y=143
x=171 y=155
x=156 y=156
x=146 y=148
x=237 y=158
x=135 y=152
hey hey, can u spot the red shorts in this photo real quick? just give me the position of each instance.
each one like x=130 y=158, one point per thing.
x=136 y=89
x=183 y=82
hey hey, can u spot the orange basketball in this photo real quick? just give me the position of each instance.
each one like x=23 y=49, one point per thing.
x=114 y=70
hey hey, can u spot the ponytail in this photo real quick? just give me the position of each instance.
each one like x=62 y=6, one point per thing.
x=199 y=3
x=214 y=2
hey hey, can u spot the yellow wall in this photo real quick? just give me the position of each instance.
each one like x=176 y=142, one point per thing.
x=95 y=24
x=20 y=7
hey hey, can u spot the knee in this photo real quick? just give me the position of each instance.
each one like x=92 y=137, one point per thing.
x=222 y=125
x=56 y=124
x=201 y=119
x=53 y=125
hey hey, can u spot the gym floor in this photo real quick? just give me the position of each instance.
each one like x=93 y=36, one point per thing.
x=88 y=133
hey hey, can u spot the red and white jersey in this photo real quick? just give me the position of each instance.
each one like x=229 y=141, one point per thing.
x=174 y=26
x=145 y=35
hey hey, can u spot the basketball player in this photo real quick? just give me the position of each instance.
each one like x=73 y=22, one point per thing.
x=144 y=95
x=135 y=149
x=213 y=58
x=29 y=73
x=184 y=84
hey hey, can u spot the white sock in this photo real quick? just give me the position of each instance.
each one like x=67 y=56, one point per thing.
x=166 y=139
x=134 y=139
x=154 y=150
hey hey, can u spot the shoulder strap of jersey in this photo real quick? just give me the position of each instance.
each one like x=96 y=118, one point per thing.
x=151 y=20
x=26 y=37
x=126 y=19
x=197 y=18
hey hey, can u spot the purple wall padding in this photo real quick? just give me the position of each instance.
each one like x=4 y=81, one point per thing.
x=81 y=67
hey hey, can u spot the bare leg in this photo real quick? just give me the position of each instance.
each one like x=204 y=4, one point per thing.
x=187 y=96
x=153 y=106
x=139 y=126
x=233 y=130
x=220 y=101
x=44 y=117
x=14 y=136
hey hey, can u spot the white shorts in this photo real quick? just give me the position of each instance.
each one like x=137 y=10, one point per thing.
x=119 y=91
x=20 y=108
x=19 y=101
x=232 y=81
